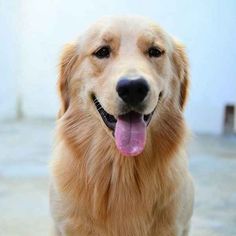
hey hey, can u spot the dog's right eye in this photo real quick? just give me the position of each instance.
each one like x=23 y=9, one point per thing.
x=103 y=52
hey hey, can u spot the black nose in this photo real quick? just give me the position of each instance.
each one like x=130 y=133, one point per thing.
x=132 y=92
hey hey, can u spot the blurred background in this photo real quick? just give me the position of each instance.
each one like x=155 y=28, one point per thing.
x=32 y=34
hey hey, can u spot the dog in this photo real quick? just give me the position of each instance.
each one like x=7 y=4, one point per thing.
x=119 y=165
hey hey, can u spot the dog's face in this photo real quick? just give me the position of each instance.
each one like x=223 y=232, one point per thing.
x=125 y=72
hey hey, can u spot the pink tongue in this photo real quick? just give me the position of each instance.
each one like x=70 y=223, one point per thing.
x=130 y=134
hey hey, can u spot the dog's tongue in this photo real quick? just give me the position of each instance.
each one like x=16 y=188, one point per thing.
x=130 y=134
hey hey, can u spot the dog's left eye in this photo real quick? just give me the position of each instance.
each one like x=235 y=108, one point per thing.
x=154 y=52
x=103 y=52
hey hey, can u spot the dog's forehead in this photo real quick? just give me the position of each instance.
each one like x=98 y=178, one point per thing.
x=127 y=24
x=109 y=28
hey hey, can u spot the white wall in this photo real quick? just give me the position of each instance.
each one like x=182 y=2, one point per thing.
x=9 y=58
x=40 y=28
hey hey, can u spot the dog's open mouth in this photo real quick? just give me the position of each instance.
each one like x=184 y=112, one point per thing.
x=129 y=129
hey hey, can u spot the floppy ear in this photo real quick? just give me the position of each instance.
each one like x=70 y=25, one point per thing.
x=182 y=69
x=66 y=67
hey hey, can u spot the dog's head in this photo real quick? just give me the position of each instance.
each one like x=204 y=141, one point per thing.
x=126 y=73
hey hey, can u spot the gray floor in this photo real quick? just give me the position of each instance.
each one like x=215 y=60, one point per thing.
x=25 y=150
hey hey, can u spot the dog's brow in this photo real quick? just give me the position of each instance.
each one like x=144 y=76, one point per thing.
x=109 y=37
x=148 y=40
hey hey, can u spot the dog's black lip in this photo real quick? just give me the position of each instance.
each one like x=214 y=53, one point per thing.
x=110 y=120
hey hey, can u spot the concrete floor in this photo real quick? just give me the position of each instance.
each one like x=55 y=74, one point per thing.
x=25 y=150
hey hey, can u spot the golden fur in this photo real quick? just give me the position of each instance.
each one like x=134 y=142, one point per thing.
x=94 y=189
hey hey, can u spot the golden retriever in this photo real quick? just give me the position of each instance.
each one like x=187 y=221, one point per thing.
x=119 y=165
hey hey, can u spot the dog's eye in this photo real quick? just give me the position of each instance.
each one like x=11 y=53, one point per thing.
x=154 y=52
x=103 y=52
